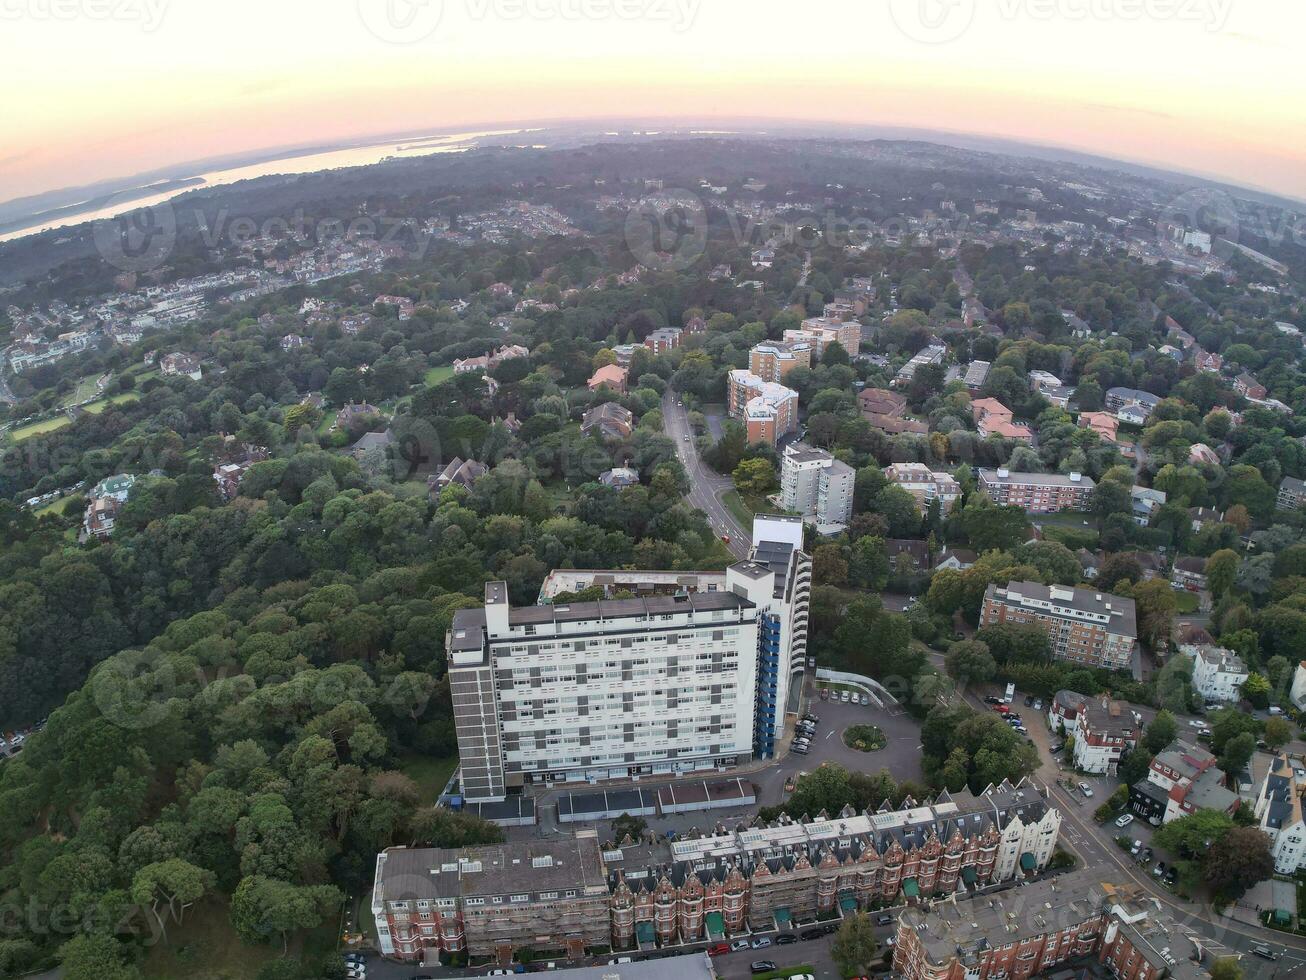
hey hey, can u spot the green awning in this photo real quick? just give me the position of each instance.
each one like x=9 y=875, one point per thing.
x=969 y=875
x=716 y=924
x=848 y=903
x=1027 y=861
x=1281 y=917
x=782 y=918
x=644 y=932
x=911 y=888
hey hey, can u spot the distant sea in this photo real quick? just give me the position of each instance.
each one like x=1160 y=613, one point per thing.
x=147 y=196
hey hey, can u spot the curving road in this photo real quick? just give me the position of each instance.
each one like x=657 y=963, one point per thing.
x=705 y=485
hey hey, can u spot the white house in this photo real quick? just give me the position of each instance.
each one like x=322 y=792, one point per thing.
x=1298 y=691
x=1103 y=730
x=1278 y=810
x=1218 y=674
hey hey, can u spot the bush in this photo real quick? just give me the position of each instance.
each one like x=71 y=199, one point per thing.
x=864 y=738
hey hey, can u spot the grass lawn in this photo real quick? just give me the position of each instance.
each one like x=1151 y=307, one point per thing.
x=429 y=773
x=439 y=375
x=96 y=407
x=735 y=504
x=39 y=428
x=55 y=507
x=205 y=947
x=1187 y=603
x=85 y=389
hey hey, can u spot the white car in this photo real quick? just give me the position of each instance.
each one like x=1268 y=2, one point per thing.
x=1086 y=789
x=1195 y=723
x=1124 y=820
x=738 y=944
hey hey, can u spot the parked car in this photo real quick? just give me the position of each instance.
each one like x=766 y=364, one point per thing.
x=1001 y=709
x=786 y=939
x=992 y=700
x=866 y=699
x=884 y=920
x=1086 y=789
x=617 y=960
x=1124 y=820
x=720 y=949
x=815 y=719
x=1145 y=856
x=761 y=966
x=1038 y=704
x=1056 y=747
x=1196 y=723
x=1029 y=700
x=738 y=944
x=1013 y=714
x=500 y=972
x=1172 y=876
x=799 y=749
x=1159 y=870
x=1138 y=846
x=761 y=942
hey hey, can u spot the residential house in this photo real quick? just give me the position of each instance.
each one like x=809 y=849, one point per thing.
x=404 y=306
x=1209 y=363
x=370 y=442
x=907 y=556
x=1181 y=780
x=292 y=341
x=931 y=354
x=1200 y=454
x=611 y=376
x=1218 y=674
x=992 y=418
x=459 y=471
x=610 y=420
x=353 y=412
x=1202 y=516
x=1249 y=387
x=957 y=559
x=103 y=504
x=1189 y=573
x=1103 y=730
x=620 y=477
x=1278 y=812
x=1146 y=502
x=882 y=401
x=1140 y=404
x=181 y=364
x=1104 y=424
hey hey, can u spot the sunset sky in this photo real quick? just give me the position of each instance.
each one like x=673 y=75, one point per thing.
x=1206 y=86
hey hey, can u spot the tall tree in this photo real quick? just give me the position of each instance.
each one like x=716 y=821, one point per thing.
x=855 y=946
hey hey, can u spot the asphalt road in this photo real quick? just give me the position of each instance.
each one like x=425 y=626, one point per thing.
x=705 y=485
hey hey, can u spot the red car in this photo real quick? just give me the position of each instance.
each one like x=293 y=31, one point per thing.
x=720 y=949
x=1001 y=709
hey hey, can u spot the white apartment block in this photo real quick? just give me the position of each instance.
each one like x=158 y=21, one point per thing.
x=925 y=485
x=671 y=682
x=1218 y=674
x=816 y=485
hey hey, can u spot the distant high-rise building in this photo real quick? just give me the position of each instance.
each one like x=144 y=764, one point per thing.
x=816 y=485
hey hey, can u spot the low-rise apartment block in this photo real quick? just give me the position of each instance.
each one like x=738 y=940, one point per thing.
x=931 y=354
x=1083 y=626
x=768 y=410
x=1037 y=493
x=925 y=484
x=1292 y=493
x=992 y=418
x=822 y=331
